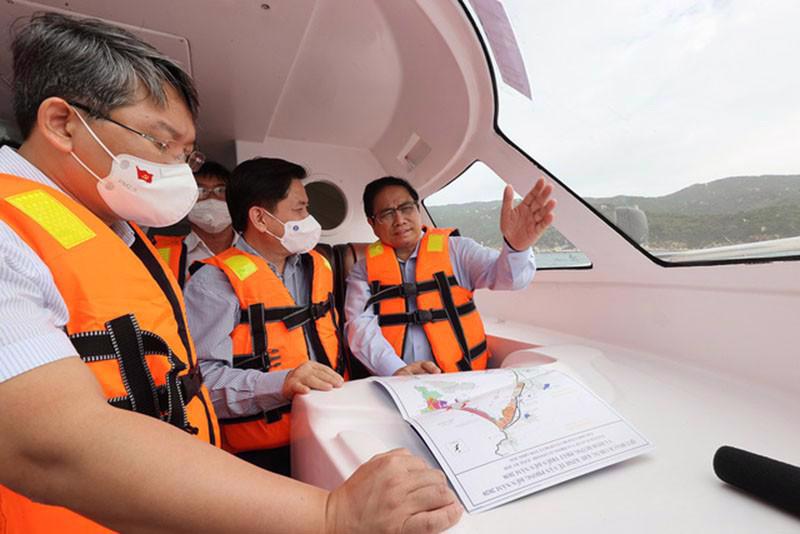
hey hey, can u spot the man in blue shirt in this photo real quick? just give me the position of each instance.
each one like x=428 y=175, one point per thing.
x=392 y=208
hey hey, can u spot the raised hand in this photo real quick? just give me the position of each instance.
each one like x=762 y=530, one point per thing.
x=522 y=225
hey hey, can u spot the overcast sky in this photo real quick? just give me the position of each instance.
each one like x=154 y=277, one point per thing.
x=644 y=97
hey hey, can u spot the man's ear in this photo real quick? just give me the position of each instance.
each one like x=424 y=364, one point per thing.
x=56 y=122
x=371 y=224
x=257 y=218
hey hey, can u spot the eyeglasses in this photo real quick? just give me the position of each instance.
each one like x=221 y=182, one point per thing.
x=405 y=210
x=205 y=192
x=194 y=159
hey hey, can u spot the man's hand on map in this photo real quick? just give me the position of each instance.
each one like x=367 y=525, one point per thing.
x=393 y=492
x=310 y=375
x=418 y=368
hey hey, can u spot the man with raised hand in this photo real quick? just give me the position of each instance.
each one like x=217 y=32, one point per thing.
x=409 y=302
x=102 y=415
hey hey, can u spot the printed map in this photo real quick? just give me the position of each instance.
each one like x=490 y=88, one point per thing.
x=502 y=434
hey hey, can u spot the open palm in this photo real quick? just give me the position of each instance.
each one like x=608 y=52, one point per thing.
x=522 y=225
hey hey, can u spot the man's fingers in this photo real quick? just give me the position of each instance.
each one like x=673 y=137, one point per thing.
x=544 y=194
x=431 y=367
x=534 y=192
x=508 y=198
x=433 y=521
x=314 y=382
x=429 y=497
x=328 y=375
x=425 y=478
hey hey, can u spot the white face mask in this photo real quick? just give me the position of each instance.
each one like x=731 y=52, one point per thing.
x=210 y=215
x=147 y=193
x=298 y=236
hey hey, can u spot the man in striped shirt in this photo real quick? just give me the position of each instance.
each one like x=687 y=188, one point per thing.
x=85 y=94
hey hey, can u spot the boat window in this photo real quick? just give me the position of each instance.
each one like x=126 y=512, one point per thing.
x=676 y=121
x=327 y=203
x=472 y=203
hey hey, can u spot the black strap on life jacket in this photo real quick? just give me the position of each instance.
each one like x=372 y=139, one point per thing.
x=421 y=317
x=270 y=416
x=406 y=289
x=195 y=266
x=125 y=342
x=310 y=327
x=443 y=284
x=182 y=266
x=154 y=267
x=256 y=316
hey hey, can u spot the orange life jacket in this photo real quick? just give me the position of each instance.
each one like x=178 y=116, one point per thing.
x=272 y=333
x=445 y=310
x=126 y=321
x=173 y=251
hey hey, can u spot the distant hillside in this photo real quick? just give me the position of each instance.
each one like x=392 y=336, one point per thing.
x=741 y=209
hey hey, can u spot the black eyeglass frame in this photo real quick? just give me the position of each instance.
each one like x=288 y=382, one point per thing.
x=194 y=159
x=388 y=214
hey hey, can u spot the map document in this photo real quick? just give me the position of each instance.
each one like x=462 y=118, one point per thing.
x=502 y=434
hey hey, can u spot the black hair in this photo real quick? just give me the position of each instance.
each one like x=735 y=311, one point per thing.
x=376 y=186
x=214 y=169
x=89 y=62
x=259 y=182
x=9 y=142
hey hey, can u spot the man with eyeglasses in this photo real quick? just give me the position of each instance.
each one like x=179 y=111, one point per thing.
x=210 y=232
x=102 y=413
x=409 y=303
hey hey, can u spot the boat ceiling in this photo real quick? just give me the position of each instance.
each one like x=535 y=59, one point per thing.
x=352 y=73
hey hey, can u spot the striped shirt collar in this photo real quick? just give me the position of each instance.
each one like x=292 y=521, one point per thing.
x=11 y=162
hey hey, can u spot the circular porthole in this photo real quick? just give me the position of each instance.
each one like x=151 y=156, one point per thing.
x=327 y=204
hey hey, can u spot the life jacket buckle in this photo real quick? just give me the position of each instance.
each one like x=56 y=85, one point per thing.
x=318 y=310
x=422 y=316
x=191 y=383
x=409 y=289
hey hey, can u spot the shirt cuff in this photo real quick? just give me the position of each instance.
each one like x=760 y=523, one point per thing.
x=269 y=390
x=389 y=365
x=512 y=250
x=28 y=354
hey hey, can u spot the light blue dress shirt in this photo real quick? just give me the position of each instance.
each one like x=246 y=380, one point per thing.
x=32 y=311
x=212 y=311
x=474 y=266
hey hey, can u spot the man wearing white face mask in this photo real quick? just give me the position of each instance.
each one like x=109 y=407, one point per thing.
x=262 y=313
x=211 y=230
x=102 y=415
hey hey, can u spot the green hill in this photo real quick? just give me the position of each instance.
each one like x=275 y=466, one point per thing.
x=741 y=209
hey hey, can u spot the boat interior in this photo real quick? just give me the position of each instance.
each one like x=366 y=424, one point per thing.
x=697 y=349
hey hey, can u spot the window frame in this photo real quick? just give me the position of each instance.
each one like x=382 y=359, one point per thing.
x=490 y=64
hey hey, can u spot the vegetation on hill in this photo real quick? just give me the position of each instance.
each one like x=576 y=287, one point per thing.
x=741 y=209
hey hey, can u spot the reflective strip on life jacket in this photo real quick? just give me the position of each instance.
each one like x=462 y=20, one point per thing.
x=272 y=333
x=445 y=310
x=126 y=320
